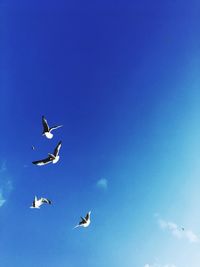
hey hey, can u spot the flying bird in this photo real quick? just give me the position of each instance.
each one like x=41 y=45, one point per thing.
x=52 y=158
x=47 y=130
x=85 y=222
x=38 y=202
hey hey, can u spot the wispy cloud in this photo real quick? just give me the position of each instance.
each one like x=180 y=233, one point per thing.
x=159 y=265
x=2 y=200
x=178 y=231
x=3 y=167
x=5 y=184
x=102 y=183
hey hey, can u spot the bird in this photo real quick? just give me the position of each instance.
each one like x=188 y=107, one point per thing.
x=52 y=158
x=38 y=202
x=47 y=130
x=32 y=147
x=85 y=222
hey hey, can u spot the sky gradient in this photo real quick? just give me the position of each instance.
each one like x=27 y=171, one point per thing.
x=123 y=79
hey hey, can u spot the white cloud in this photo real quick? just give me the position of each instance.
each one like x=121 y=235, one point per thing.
x=191 y=236
x=102 y=183
x=159 y=265
x=178 y=231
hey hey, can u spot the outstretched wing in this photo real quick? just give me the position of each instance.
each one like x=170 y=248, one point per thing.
x=57 y=149
x=45 y=124
x=33 y=203
x=55 y=127
x=87 y=216
x=45 y=200
x=43 y=161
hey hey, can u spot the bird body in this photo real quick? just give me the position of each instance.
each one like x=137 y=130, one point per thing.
x=47 y=130
x=56 y=159
x=48 y=135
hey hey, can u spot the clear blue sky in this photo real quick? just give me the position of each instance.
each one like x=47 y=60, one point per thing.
x=123 y=78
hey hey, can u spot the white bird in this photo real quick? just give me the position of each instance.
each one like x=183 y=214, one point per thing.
x=38 y=202
x=52 y=158
x=47 y=130
x=85 y=222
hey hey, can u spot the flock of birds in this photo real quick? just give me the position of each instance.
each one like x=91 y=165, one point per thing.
x=53 y=158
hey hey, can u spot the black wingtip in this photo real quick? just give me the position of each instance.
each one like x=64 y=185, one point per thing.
x=34 y=162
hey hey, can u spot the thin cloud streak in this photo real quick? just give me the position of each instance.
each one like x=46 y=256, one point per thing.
x=6 y=185
x=159 y=265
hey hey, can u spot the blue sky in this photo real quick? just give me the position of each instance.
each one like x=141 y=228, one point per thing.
x=123 y=79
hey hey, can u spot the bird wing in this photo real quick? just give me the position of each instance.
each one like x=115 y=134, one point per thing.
x=43 y=161
x=76 y=226
x=34 y=201
x=55 y=127
x=45 y=124
x=57 y=149
x=87 y=216
x=83 y=220
x=45 y=200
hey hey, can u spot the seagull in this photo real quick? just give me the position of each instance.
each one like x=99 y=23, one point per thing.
x=38 y=202
x=52 y=158
x=47 y=130
x=85 y=222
